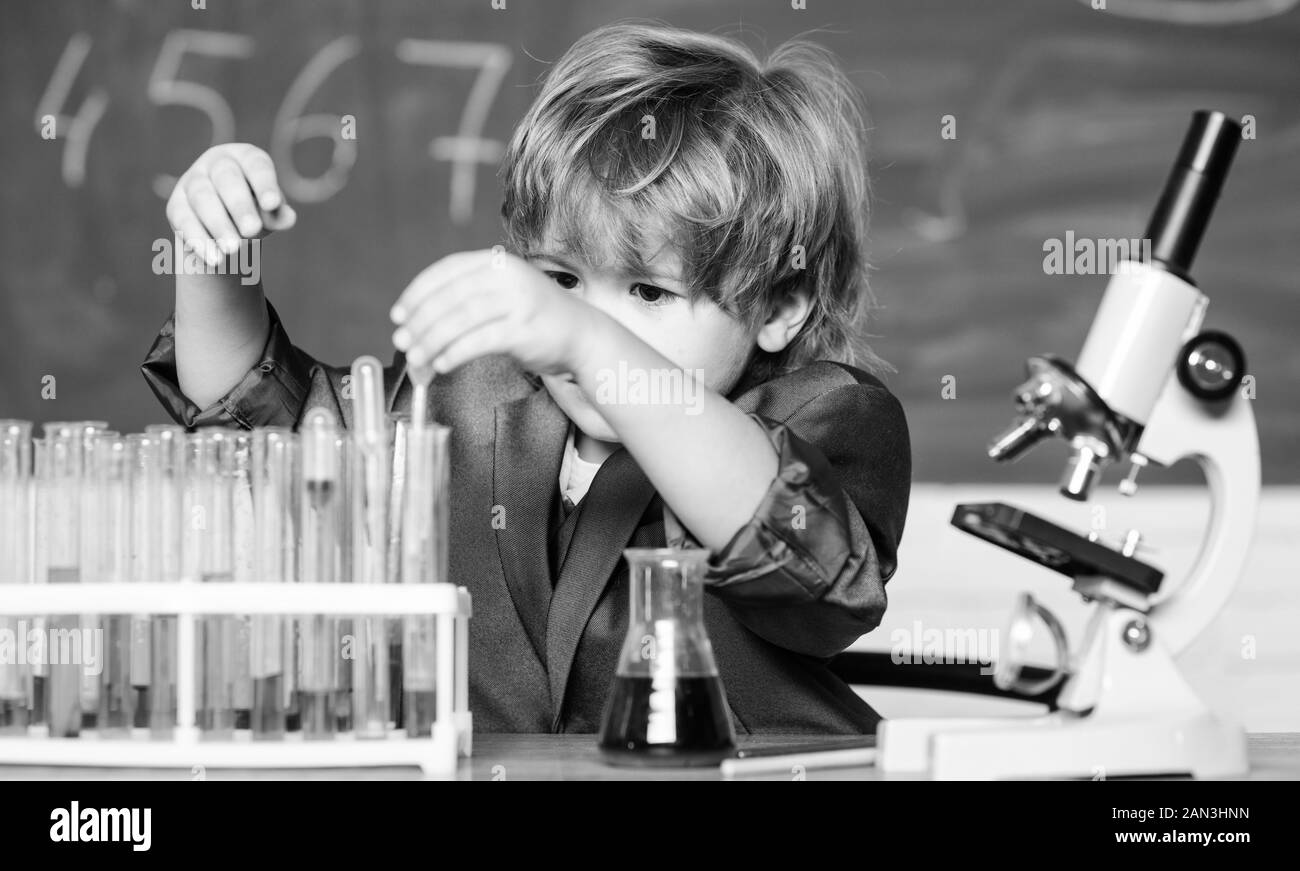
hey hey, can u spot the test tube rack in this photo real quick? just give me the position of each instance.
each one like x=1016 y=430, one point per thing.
x=188 y=600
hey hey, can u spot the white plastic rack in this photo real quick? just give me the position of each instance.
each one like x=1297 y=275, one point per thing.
x=438 y=754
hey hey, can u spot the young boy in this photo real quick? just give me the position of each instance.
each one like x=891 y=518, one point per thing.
x=672 y=205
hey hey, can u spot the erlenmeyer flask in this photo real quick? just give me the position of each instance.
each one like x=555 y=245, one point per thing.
x=667 y=705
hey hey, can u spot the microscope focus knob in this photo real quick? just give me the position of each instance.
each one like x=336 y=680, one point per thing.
x=1211 y=365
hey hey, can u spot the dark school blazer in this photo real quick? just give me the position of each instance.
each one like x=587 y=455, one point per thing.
x=782 y=597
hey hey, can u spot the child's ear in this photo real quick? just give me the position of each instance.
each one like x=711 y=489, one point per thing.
x=785 y=322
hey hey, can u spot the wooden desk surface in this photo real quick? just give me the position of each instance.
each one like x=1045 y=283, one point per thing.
x=1273 y=756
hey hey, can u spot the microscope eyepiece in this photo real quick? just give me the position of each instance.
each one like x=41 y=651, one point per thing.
x=1193 y=187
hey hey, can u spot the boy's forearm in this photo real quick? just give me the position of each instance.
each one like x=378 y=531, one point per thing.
x=221 y=328
x=711 y=463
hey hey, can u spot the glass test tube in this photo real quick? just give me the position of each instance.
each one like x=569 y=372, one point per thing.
x=168 y=489
x=145 y=564
x=15 y=567
x=210 y=462
x=39 y=555
x=424 y=560
x=370 y=476
x=92 y=625
x=396 y=501
x=109 y=527
x=62 y=483
x=241 y=624
x=343 y=574
x=274 y=466
x=318 y=664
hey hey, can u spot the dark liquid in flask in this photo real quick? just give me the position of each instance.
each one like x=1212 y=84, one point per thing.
x=696 y=708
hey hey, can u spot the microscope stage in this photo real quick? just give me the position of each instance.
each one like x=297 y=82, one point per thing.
x=1052 y=546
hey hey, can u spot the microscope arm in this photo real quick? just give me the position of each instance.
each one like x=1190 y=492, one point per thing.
x=1228 y=452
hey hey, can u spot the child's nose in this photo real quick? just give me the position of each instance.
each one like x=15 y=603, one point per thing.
x=604 y=296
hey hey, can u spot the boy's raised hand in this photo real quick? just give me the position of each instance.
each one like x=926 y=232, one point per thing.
x=476 y=303
x=230 y=193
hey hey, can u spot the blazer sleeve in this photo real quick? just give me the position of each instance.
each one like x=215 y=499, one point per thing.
x=808 y=571
x=277 y=391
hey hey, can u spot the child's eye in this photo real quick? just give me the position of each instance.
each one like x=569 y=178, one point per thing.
x=564 y=279
x=651 y=295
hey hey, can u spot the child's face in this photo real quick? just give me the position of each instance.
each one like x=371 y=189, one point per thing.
x=694 y=335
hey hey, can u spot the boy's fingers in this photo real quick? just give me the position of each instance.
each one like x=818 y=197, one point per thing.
x=282 y=218
x=207 y=205
x=456 y=321
x=428 y=281
x=232 y=187
x=260 y=172
x=490 y=338
x=432 y=310
x=192 y=234
x=436 y=341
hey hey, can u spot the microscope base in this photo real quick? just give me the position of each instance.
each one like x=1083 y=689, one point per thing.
x=1063 y=744
x=1125 y=710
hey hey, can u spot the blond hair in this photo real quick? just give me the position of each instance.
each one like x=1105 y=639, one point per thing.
x=749 y=164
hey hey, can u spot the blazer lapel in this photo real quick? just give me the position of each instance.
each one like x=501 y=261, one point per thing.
x=528 y=448
x=611 y=510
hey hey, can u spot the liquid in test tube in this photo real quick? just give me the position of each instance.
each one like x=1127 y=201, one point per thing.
x=322 y=511
x=15 y=568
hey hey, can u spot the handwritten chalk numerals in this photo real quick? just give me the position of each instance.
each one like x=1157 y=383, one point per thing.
x=75 y=131
x=293 y=127
x=466 y=151
x=165 y=89
x=467 y=148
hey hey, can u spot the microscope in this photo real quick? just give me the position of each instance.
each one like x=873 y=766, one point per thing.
x=1149 y=386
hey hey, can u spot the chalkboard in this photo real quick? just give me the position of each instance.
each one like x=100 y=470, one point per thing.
x=994 y=126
